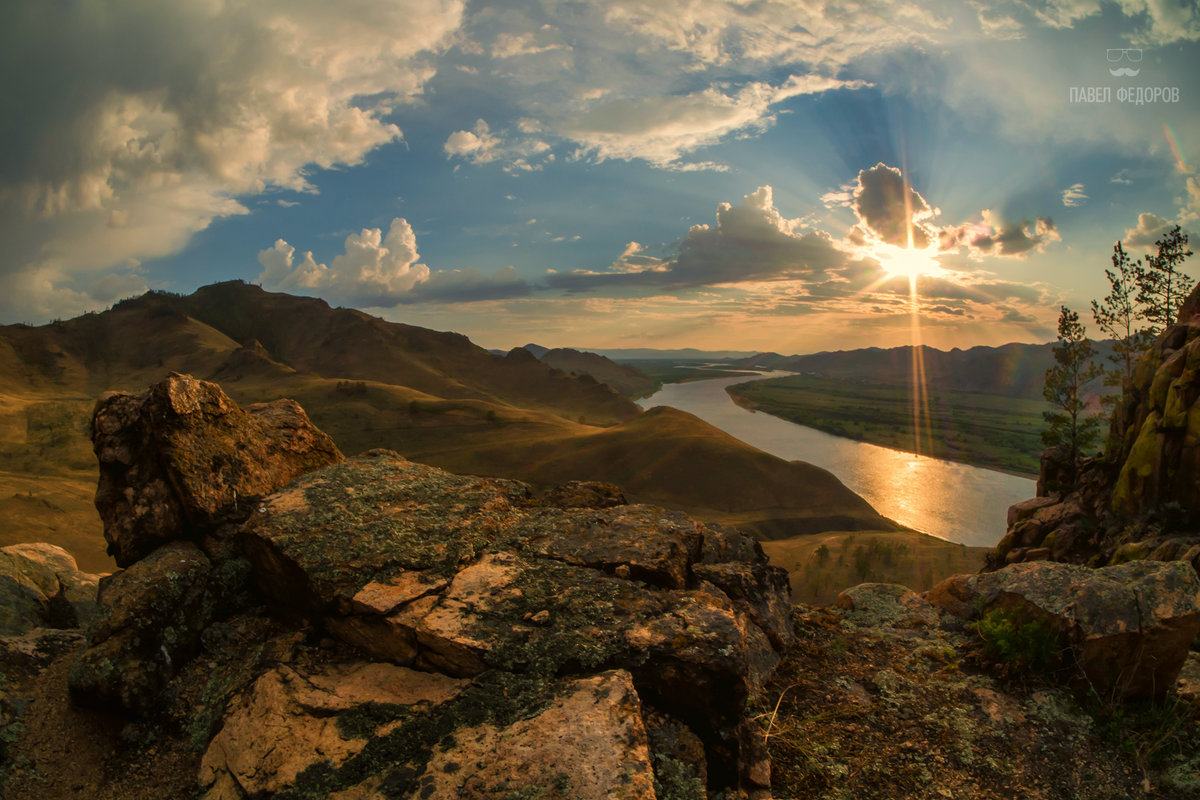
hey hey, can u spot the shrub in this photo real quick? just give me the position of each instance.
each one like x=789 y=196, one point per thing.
x=1017 y=642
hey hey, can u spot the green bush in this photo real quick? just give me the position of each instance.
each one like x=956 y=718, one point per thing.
x=1023 y=644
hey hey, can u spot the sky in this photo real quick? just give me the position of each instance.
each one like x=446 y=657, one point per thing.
x=773 y=175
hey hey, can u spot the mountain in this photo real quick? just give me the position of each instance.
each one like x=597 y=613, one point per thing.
x=627 y=380
x=649 y=353
x=537 y=350
x=432 y=396
x=1011 y=370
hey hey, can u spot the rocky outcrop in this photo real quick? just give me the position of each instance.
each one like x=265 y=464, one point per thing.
x=1143 y=499
x=1127 y=627
x=463 y=576
x=182 y=459
x=41 y=586
x=474 y=641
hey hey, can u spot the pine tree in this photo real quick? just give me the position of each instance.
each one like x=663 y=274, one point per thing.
x=1162 y=288
x=1121 y=317
x=1069 y=423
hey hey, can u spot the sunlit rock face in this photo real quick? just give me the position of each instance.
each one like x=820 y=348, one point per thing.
x=1143 y=500
x=377 y=627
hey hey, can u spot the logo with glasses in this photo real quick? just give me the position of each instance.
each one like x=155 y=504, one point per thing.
x=1120 y=55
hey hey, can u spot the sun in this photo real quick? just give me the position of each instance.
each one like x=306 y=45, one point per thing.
x=906 y=262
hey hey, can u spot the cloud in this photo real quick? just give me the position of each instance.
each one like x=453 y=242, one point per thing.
x=992 y=236
x=750 y=242
x=141 y=121
x=663 y=129
x=890 y=208
x=380 y=271
x=481 y=146
x=478 y=146
x=1149 y=228
x=1074 y=195
x=510 y=45
x=754 y=248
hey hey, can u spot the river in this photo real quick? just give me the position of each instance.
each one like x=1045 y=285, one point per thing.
x=949 y=500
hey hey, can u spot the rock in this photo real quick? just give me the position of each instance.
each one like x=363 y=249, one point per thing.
x=1026 y=508
x=290 y=721
x=149 y=622
x=583 y=494
x=589 y=743
x=880 y=604
x=657 y=546
x=182 y=458
x=461 y=576
x=1188 y=684
x=1129 y=627
x=346 y=730
x=41 y=586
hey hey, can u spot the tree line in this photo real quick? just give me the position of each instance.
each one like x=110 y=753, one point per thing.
x=1144 y=298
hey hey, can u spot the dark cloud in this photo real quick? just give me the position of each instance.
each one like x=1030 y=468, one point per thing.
x=466 y=286
x=1014 y=316
x=889 y=207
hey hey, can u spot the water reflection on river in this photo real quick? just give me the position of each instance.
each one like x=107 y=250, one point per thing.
x=953 y=501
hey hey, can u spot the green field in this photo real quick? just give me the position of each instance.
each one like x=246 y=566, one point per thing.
x=980 y=429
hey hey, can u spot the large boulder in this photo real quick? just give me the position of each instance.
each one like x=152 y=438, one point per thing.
x=1128 y=627
x=181 y=459
x=464 y=576
x=41 y=586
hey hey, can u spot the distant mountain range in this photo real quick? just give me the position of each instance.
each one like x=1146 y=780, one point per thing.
x=1011 y=370
x=652 y=354
x=434 y=397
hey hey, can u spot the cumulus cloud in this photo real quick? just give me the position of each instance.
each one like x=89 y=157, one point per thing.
x=1074 y=195
x=994 y=236
x=380 y=271
x=890 y=208
x=478 y=145
x=140 y=121
x=481 y=146
x=1149 y=228
x=751 y=241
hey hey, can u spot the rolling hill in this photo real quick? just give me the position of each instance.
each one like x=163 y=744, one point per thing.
x=627 y=380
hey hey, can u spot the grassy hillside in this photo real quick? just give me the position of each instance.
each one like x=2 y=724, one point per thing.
x=982 y=429
x=821 y=565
